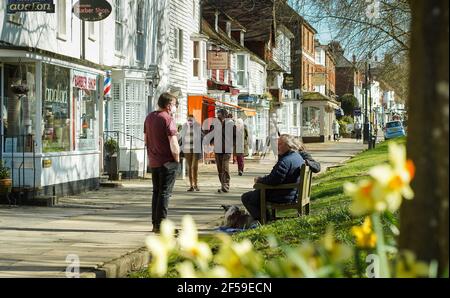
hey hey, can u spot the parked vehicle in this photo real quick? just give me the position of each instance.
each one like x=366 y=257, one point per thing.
x=393 y=130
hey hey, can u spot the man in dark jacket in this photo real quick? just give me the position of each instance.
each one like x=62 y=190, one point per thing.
x=286 y=171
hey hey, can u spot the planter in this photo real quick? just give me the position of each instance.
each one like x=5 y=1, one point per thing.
x=112 y=166
x=5 y=186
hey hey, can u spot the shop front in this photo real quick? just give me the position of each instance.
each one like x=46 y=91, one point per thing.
x=50 y=133
x=318 y=115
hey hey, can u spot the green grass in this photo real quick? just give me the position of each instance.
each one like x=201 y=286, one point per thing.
x=329 y=208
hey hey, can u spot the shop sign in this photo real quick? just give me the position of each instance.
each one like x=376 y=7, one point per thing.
x=92 y=10
x=84 y=81
x=319 y=79
x=218 y=60
x=15 y=6
x=289 y=82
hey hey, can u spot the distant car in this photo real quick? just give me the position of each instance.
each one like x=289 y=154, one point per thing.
x=393 y=130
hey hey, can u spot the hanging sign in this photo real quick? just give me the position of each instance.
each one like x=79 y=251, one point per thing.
x=218 y=60
x=92 y=10
x=14 y=6
x=288 y=82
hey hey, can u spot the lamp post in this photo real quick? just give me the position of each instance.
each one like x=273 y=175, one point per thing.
x=368 y=104
x=154 y=78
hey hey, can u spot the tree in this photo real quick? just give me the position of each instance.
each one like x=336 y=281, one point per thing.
x=424 y=220
x=362 y=26
x=349 y=103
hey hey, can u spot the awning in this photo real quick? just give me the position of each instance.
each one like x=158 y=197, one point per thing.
x=195 y=106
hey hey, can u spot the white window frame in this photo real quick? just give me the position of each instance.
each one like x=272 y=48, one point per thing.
x=140 y=34
x=198 y=59
x=119 y=27
x=62 y=20
x=16 y=18
x=92 y=31
x=244 y=71
x=178 y=44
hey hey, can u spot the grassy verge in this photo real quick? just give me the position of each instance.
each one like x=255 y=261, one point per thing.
x=329 y=207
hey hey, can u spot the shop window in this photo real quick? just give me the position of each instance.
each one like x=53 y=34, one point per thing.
x=311 y=122
x=19 y=110
x=85 y=98
x=55 y=108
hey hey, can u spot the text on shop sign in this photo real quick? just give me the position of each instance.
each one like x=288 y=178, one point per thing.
x=15 y=6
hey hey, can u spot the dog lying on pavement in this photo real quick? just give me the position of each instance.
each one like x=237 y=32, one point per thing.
x=237 y=218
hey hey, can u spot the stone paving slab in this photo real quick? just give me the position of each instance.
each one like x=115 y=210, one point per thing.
x=102 y=227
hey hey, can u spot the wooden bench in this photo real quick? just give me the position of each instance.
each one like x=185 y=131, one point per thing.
x=302 y=205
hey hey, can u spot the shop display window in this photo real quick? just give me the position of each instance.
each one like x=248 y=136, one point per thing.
x=85 y=100
x=19 y=107
x=311 y=121
x=55 y=108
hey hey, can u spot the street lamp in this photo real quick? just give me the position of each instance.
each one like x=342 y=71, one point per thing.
x=367 y=126
x=154 y=78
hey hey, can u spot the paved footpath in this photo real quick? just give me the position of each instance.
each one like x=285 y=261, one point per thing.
x=106 y=229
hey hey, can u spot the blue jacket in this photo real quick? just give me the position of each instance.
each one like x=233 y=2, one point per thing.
x=286 y=171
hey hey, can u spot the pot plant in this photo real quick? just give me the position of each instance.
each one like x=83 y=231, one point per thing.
x=112 y=164
x=5 y=180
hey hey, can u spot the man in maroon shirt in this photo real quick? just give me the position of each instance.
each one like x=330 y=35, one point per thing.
x=164 y=155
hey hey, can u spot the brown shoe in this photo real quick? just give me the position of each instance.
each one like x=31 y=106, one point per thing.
x=191 y=189
x=196 y=188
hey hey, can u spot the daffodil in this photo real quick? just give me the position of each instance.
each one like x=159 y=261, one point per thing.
x=363 y=196
x=365 y=236
x=160 y=247
x=408 y=267
x=190 y=247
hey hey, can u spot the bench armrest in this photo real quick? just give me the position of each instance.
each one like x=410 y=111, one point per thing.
x=275 y=187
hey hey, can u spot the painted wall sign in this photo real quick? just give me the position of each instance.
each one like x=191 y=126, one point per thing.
x=92 y=10
x=84 y=81
x=14 y=6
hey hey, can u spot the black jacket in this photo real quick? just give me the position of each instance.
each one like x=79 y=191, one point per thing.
x=314 y=165
x=286 y=171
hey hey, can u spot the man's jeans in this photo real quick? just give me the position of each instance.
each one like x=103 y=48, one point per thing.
x=163 y=181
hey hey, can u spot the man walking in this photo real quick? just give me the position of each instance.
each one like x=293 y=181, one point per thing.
x=164 y=155
x=224 y=133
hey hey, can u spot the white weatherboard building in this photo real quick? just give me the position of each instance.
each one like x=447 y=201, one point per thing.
x=52 y=136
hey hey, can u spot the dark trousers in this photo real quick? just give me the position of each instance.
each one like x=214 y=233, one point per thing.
x=163 y=181
x=240 y=161
x=252 y=202
x=223 y=168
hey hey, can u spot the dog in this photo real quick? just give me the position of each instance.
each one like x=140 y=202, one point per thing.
x=237 y=218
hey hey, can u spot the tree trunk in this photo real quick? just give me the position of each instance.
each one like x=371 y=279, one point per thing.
x=424 y=220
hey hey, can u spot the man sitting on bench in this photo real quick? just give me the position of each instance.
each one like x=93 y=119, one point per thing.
x=286 y=171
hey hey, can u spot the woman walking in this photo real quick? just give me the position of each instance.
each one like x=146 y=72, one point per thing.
x=191 y=144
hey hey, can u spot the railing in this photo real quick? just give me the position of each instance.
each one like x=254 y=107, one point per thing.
x=116 y=135
x=11 y=146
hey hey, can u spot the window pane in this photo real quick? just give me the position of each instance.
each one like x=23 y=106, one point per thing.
x=196 y=68
x=311 y=121
x=19 y=112
x=55 y=108
x=241 y=62
x=87 y=120
x=62 y=17
x=196 y=49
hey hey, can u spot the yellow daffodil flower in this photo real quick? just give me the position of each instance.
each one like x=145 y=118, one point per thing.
x=338 y=252
x=365 y=237
x=160 y=248
x=190 y=247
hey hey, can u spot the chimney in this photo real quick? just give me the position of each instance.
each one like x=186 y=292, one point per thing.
x=216 y=21
x=242 y=38
x=228 y=26
x=354 y=58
